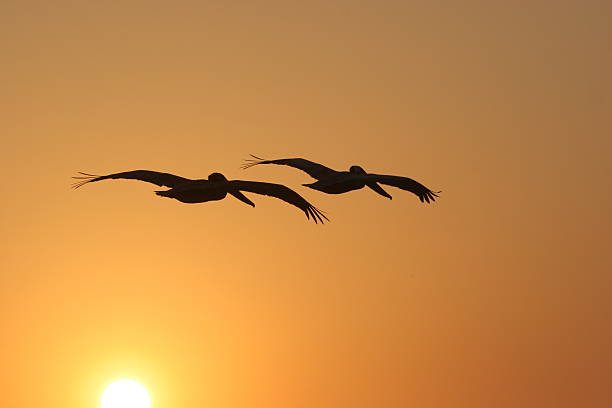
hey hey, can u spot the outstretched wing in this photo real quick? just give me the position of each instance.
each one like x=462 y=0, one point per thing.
x=407 y=184
x=160 y=179
x=314 y=170
x=284 y=193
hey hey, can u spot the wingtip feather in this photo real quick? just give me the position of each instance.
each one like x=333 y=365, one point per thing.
x=252 y=162
x=84 y=179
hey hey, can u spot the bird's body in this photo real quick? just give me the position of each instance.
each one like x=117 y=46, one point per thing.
x=198 y=191
x=343 y=182
x=215 y=188
x=337 y=182
x=195 y=193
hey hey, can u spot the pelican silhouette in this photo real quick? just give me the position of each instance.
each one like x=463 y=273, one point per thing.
x=337 y=182
x=216 y=187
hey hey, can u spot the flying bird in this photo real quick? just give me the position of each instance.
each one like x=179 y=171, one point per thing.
x=216 y=187
x=337 y=182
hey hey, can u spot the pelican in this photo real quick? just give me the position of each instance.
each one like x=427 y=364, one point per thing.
x=216 y=187
x=337 y=182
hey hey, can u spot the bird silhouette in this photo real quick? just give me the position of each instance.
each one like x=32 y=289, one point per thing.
x=216 y=187
x=337 y=182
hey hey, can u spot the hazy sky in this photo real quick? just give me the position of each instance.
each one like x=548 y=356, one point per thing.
x=497 y=295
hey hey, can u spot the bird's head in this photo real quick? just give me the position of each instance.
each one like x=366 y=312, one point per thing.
x=216 y=177
x=357 y=170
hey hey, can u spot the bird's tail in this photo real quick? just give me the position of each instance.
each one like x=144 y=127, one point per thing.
x=164 y=193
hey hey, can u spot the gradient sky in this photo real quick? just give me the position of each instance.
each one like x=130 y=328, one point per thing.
x=498 y=295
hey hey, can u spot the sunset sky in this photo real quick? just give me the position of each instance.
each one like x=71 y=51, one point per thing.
x=497 y=295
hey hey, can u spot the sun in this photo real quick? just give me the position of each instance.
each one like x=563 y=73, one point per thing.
x=125 y=393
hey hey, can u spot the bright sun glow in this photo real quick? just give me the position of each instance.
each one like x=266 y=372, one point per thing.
x=125 y=394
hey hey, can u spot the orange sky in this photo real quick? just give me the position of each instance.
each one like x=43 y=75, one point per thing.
x=498 y=295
